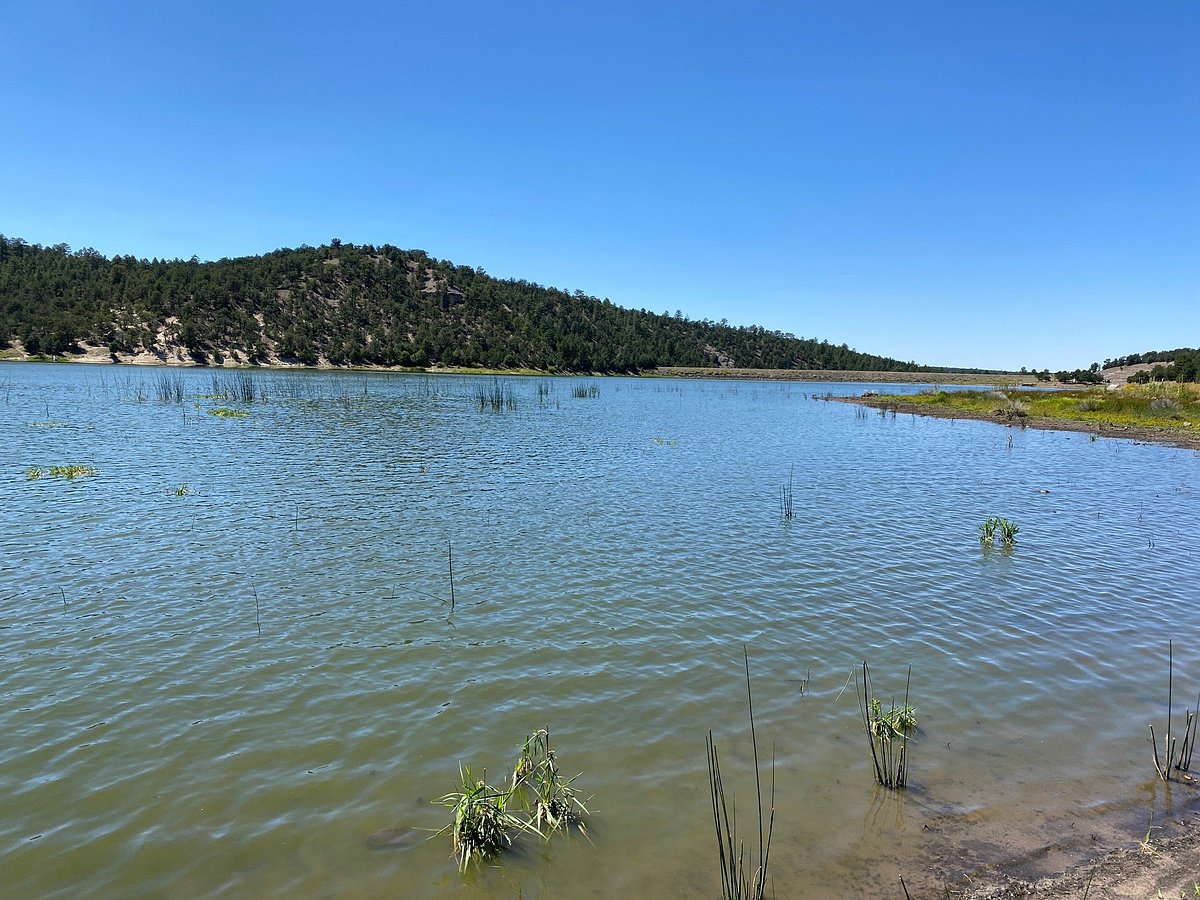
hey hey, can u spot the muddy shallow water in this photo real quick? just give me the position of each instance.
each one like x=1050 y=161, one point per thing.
x=613 y=550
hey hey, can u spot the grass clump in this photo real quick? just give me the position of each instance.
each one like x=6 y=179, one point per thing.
x=1152 y=405
x=182 y=491
x=168 y=387
x=68 y=472
x=549 y=799
x=994 y=527
x=224 y=412
x=585 y=391
x=498 y=395
x=887 y=731
x=486 y=817
x=482 y=823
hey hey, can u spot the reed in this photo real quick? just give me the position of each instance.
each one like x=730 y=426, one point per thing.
x=738 y=880
x=497 y=395
x=1181 y=761
x=240 y=387
x=450 y=558
x=785 y=498
x=168 y=387
x=257 y=611
x=585 y=391
x=887 y=731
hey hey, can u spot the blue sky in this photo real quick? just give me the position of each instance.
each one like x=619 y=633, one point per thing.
x=957 y=183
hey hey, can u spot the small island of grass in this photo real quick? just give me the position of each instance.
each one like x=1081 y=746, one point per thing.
x=1162 y=413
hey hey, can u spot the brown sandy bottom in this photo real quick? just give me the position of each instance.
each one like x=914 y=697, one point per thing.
x=1135 y=849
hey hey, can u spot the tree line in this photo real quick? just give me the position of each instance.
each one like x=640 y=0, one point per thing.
x=1182 y=365
x=365 y=305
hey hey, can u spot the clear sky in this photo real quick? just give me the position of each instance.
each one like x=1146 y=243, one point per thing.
x=992 y=184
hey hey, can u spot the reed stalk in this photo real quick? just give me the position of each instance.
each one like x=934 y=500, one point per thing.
x=738 y=882
x=1181 y=761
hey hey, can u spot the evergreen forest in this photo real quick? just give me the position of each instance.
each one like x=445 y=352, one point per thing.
x=347 y=305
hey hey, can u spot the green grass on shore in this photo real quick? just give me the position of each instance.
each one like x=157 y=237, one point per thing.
x=1143 y=406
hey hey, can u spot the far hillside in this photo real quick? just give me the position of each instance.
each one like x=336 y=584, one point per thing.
x=1158 y=365
x=347 y=305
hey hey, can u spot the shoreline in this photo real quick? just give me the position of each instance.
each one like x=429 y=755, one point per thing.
x=177 y=358
x=1150 y=868
x=1141 y=433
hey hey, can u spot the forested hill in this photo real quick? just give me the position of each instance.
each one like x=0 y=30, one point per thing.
x=360 y=305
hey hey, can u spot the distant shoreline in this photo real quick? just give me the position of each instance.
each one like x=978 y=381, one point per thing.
x=1145 y=433
x=177 y=358
x=847 y=376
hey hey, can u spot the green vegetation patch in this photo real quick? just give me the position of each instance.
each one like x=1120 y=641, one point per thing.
x=33 y=473
x=1162 y=406
x=226 y=413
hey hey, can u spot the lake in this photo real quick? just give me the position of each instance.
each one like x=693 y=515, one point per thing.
x=230 y=656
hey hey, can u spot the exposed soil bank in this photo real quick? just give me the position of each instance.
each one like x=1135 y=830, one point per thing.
x=1148 y=434
x=1167 y=868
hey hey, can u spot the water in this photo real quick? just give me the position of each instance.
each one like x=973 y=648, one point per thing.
x=612 y=555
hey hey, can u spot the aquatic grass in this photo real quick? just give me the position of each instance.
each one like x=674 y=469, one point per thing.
x=585 y=391
x=240 y=387
x=70 y=473
x=738 y=881
x=182 y=491
x=168 y=387
x=482 y=824
x=498 y=395
x=224 y=412
x=549 y=799
x=995 y=526
x=887 y=730
x=786 y=511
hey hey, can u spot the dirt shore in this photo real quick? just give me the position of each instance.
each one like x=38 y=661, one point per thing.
x=1145 y=434
x=1148 y=870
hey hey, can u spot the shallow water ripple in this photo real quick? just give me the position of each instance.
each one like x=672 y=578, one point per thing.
x=612 y=554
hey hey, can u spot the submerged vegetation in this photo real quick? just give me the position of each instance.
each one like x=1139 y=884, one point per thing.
x=225 y=412
x=33 y=473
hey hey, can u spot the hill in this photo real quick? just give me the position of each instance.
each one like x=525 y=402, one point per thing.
x=345 y=305
x=1182 y=364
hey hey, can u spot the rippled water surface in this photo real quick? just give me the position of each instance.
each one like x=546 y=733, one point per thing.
x=613 y=550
